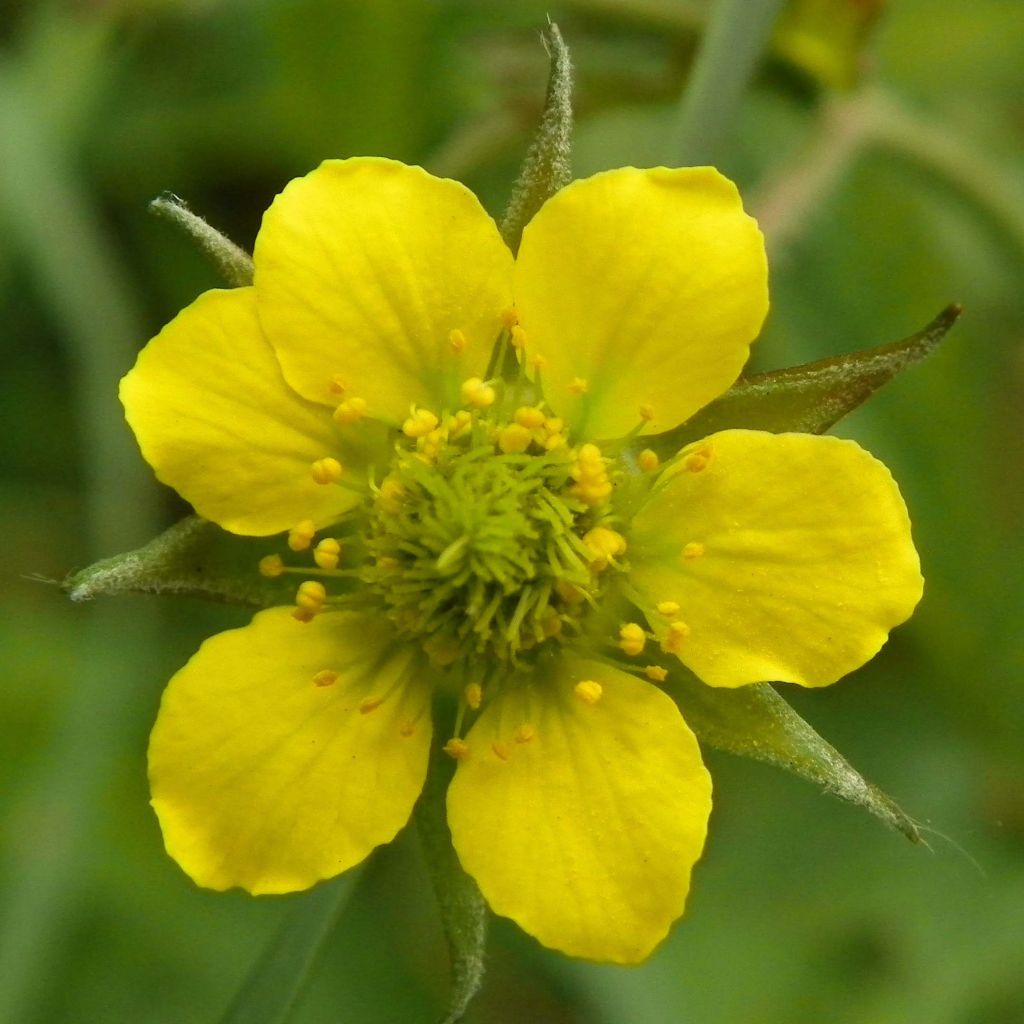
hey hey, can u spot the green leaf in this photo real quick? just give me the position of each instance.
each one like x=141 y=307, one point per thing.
x=755 y=722
x=233 y=262
x=463 y=911
x=276 y=980
x=808 y=398
x=547 y=166
x=194 y=557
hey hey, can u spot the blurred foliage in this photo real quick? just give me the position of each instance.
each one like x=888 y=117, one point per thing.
x=803 y=909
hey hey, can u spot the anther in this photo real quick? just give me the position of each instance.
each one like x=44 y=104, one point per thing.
x=352 y=410
x=588 y=691
x=648 y=460
x=420 y=423
x=500 y=750
x=677 y=633
x=474 y=696
x=271 y=566
x=517 y=337
x=370 y=704
x=605 y=545
x=524 y=733
x=311 y=596
x=656 y=673
x=514 y=438
x=457 y=340
x=697 y=461
x=632 y=639
x=407 y=729
x=476 y=393
x=646 y=412
x=578 y=386
x=668 y=608
x=390 y=495
x=325 y=677
x=531 y=417
x=693 y=550
x=459 y=422
x=456 y=748
x=301 y=535
x=337 y=384
x=326 y=471
x=509 y=317
x=538 y=362
x=327 y=553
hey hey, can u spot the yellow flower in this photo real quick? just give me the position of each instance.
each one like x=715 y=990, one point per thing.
x=428 y=418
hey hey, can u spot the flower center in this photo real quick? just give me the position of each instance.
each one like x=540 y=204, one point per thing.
x=482 y=538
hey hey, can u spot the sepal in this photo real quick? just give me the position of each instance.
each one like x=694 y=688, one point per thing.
x=463 y=911
x=195 y=558
x=547 y=166
x=755 y=722
x=809 y=398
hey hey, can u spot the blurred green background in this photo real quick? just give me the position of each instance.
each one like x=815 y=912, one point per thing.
x=886 y=164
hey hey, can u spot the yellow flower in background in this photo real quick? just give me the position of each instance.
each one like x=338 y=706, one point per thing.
x=433 y=423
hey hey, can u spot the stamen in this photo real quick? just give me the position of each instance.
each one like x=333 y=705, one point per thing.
x=325 y=677
x=514 y=439
x=271 y=566
x=301 y=535
x=605 y=545
x=326 y=471
x=668 y=608
x=693 y=550
x=648 y=460
x=420 y=423
x=500 y=750
x=473 y=695
x=509 y=317
x=337 y=385
x=538 y=362
x=352 y=410
x=457 y=340
x=578 y=386
x=476 y=393
x=517 y=337
x=530 y=416
x=677 y=633
x=697 y=461
x=407 y=728
x=311 y=596
x=592 y=485
x=656 y=673
x=588 y=691
x=370 y=704
x=327 y=553
x=646 y=412
x=524 y=733
x=632 y=639
x=456 y=748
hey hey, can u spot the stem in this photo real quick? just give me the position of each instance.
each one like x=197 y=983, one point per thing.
x=736 y=35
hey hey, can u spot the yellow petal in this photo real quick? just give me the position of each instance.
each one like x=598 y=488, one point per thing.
x=581 y=815
x=789 y=555
x=262 y=778
x=364 y=268
x=216 y=421
x=646 y=285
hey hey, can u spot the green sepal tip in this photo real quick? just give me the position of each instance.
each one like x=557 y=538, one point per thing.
x=233 y=262
x=809 y=398
x=548 y=163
